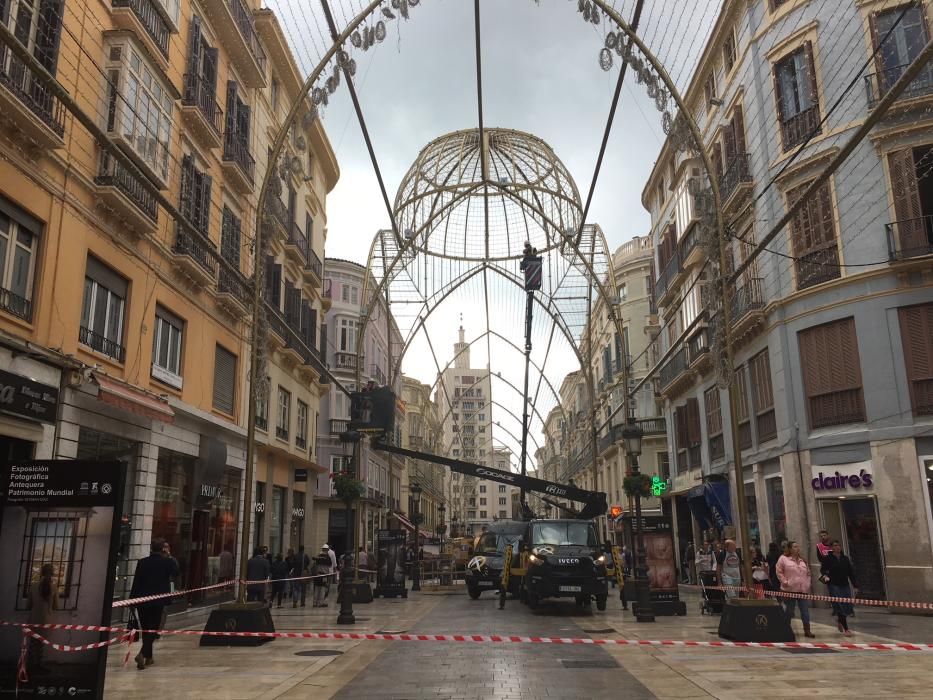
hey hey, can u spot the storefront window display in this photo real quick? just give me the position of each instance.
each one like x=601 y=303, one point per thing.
x=775 y=491
x=172 y=510
x=93 y=444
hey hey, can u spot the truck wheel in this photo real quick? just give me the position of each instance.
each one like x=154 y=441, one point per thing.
x=601 y=602
x=474 y=592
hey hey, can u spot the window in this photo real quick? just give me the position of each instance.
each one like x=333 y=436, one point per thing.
x=775 y=491
x=237 y=132
x=102 y=310
x=17 y=264
x=224 y=380
x=58 y=539
x=709 y=90
x=760 y=366
x=501 y=501
x=796 y=94
x=712 y=401
x=230 y=239
x=194 y=201
x=262 y=408
x=482 y=501
x=729 y=51
x=282 y=416
x=141 y=115
x=905 y=40
x=482 y=488
x=741 y=408
x=471 y=514
x=813 y=237
x=623 y=291
x=911 y=235
x=917 y=337
x=501 y=488
x=482 y=515
x=274 y=95
x=687 y=435
x=166 y=348
x=348 y=335
x=832 y=375
x=350 y=294
x=301 y=434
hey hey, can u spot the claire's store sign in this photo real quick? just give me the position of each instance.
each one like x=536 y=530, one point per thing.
x=842 y=480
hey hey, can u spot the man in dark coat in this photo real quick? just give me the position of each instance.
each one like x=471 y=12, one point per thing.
x=153 y=576
x=257 y=569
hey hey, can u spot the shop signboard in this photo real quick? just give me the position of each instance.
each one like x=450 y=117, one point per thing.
x=842 y=479
x=301 y=475
x=25 y=398
x=59 y=528
x=390 y=563
x=659 y=554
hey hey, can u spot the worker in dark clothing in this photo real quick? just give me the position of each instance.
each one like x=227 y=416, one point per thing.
x=154 y=575
x=257 y=569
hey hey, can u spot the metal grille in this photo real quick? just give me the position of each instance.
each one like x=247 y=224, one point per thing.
x=57 y=538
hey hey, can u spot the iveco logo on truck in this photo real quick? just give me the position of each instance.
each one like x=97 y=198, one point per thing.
x=497 y=475
x=568 y=562
x=556 y=490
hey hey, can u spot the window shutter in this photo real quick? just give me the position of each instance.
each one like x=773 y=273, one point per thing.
x=231 y=107
x=802 y=234
x=186 y=195
x=879 y=57
x=312 y=328
x=917 y=337
x=607 y=364
x=243 y=120
x=224 y=380
x=911 y=233
x=204 y=208
x=738 y=126
x=728 y=143
x=619 y=359
x=761 y=376
x=832 y=373
x=211 y=61
x=194 y=46
x=779 y=102
x=711 y=399
x=293 y=307
x=48 y=33
x=741 y=394
x=693 y=422
x=717 y=161
x=811 y=75
x=323 y=347
x=274 y=282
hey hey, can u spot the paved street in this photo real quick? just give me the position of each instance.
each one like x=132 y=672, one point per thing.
x=462 y=671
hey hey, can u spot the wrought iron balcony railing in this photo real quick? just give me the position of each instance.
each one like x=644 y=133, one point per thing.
x=797 y=129
x=736 y=173
x=19 y=79
x=345 y=360
x=673 y=268
x=338 y=425
x=910 y=238
x=195 y=247
x=236 y=151
x=114 y=174
x=234 y=283
x=200 y=94
x=15 y=305
x=317 y=268
x=747 y=298
x=878 y=84
x=101 y=344
x=155 y=24
x=817 y=267
x=675 y=366
x=244 y=20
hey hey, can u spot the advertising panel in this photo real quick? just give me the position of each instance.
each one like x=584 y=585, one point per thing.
x=390 y=558
x=59 y=527
x=659 y=556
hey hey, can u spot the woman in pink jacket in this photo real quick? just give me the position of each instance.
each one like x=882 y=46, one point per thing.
x=794 y=575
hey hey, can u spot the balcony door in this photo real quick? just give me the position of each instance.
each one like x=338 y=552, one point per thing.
x=903 y=39
x=912 y=232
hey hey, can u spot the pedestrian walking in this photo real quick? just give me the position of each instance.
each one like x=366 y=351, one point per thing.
x=299 y=569
x=836 y=572
x=705 y=559
x=690 y=563
x=42 y=597
x=824 y=546
x=362 y=559
x=154 y=575
x=320 y=570
x=278 y=572
x=332 y=556
x=774 y=553
x=257 y=570
x=730 y=570
x=794 y=575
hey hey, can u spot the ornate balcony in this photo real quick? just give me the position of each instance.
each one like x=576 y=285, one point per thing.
x=192 y=253
x=144 y=19
x=101 y=344
x=29 y=104
x=294 y=345
x=200 y=110
x=233 y=291
x=296 y=244
x=797 y=129
x=346 y=360
x=338 y=425
x=910 y=238
x=747 y=306
x=314 y=271
x=664 y=284
x=736 y=180
x=237 y=163
x=236 y=30
x=817 y=267
x=15 y=305
x=878 y=84
x=674 y=368
x=124 y=193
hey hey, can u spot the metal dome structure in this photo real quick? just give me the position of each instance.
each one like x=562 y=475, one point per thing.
x=511 y=187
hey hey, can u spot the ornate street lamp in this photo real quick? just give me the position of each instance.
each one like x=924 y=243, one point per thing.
x=416 y=521
x=642 y=608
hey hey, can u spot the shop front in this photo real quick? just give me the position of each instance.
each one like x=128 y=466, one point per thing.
x=28 y=408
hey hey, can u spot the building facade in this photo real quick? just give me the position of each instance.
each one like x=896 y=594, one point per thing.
x=381 y=472
x=832 y=330
x=423 y=434
x=126 y=253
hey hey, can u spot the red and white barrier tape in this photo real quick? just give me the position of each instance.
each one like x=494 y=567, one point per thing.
x=491 y=639
x=826 y=598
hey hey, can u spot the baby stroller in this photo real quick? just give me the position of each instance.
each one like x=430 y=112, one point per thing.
x=713 y=599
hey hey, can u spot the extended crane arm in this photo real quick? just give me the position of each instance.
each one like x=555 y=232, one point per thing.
x=594 y=502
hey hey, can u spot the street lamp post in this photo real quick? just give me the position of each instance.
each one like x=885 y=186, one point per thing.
x=441 y=511
x=416 y=521
x=642 y=608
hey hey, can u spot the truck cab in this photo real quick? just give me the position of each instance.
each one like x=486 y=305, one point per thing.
x=484 y=570
x=564 y=559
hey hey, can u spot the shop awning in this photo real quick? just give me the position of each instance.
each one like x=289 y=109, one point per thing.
x=696 y=500
x=719 y=502
x=129 y=398
x=410 y=526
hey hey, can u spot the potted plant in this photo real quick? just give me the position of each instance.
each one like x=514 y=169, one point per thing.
x=347 y=487
x=637 y=485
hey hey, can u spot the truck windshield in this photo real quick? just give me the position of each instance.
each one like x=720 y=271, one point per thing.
x=493 y=543
x=564 y=533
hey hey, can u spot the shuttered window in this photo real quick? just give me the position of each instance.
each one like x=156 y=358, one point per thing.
x=694 y=434
x=813 y=237
x=908 y=235
x=763 y=396
x=680 y=437
x=713 y=405
x=741 y=407
x=224 y=380
x=917 y=337
x=832 y=375
x=795 y=91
